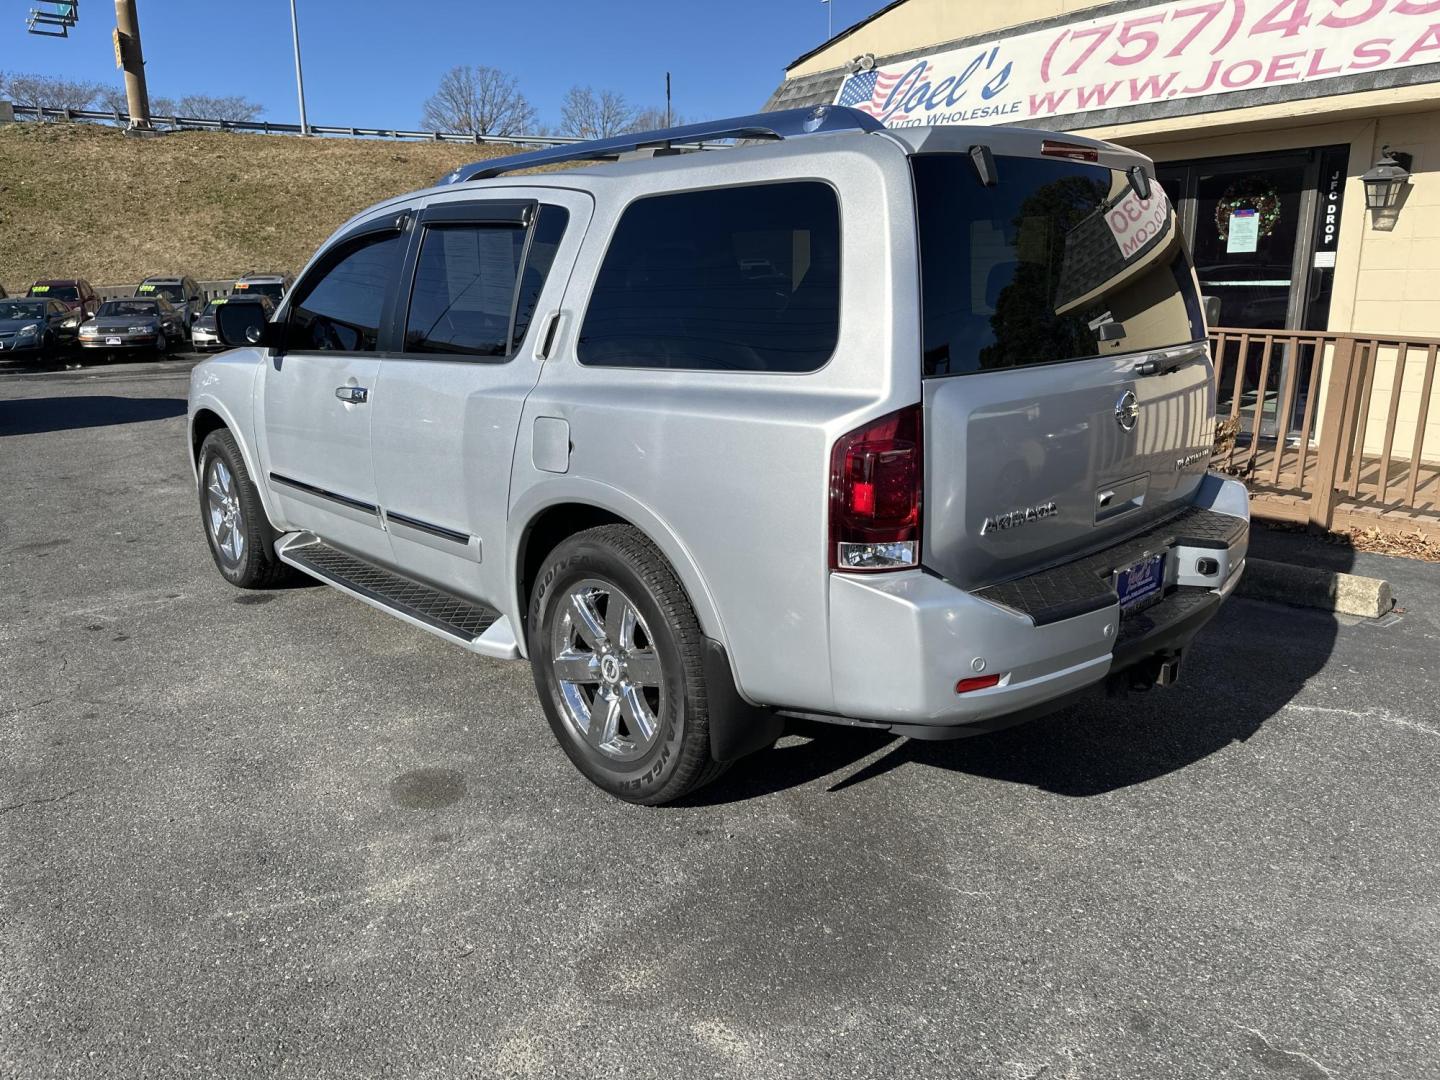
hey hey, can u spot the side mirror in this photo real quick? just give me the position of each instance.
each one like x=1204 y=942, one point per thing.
x=239 y=325
x=1211 y=307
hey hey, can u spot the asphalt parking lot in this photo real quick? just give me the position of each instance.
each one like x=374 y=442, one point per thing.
x=282 y=834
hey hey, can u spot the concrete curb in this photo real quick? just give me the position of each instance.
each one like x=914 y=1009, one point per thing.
x=1305 y=586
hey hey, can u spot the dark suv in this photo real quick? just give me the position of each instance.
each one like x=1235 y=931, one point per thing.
x=74 y=293
x=182 y=292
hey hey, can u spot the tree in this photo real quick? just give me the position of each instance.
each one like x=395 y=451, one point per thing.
x=113 y=99
x=49 y=91
x=478 y=101
x=589 y=115
x=205 y=107
x=653 y=119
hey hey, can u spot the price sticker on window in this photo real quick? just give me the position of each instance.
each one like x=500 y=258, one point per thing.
x=1134 y=221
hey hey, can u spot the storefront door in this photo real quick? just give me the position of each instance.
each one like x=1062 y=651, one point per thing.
x=1262 y=229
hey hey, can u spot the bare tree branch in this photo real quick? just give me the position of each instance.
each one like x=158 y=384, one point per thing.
x=478 y=101
x=589 y=115
x=653 y=119
x=49 y=91
x=205 y=107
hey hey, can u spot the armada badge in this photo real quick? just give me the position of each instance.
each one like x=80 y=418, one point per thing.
x=1013 y=519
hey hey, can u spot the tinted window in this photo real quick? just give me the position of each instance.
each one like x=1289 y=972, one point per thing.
x=272 y=289
x=464 y=290
x=544 y=242
x=735 y=279
x=59 y=292
x=1030 y=272
x=170 y=292
x=342 y=303
x=128 y=307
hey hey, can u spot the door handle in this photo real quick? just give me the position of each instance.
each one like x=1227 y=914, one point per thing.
x=352 y=395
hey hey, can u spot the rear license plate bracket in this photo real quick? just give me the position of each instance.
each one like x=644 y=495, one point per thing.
x=1141 y=583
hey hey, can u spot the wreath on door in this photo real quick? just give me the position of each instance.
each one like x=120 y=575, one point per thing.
x=1251 y=193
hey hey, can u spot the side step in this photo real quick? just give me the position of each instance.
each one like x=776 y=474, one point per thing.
x=469 y=625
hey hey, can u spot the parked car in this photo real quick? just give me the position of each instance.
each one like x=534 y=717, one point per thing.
x=182 y=292
x=143 y=324
x=203 y=336
x=274 y=286
x=942 y=469
x=75 y=293
x=38 y=328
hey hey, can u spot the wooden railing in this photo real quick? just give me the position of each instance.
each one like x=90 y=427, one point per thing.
x=1331 y=428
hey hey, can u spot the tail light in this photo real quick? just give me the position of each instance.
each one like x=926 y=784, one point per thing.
x=876 y=478
x=1071 y=151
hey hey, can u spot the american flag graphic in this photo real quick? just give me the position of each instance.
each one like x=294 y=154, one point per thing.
x=868 y=92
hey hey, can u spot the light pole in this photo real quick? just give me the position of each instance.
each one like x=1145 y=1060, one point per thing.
x=829 y=18
x=299 y=77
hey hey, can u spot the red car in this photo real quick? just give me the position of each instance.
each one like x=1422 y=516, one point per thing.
x=74 y=293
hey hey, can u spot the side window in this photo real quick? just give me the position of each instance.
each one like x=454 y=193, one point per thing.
x=731 y=279
x=545 y=241
x=464 y=290
x=340 y=306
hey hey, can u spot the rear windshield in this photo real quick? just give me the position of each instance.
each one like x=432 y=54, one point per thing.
x=1059 y=260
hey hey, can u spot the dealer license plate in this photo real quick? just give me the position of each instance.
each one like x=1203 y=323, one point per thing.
x=112 y=341
x=1140 y=584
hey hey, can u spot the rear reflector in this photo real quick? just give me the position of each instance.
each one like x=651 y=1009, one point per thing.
x=876 y=476
x=976 y=682
x=1072 y=151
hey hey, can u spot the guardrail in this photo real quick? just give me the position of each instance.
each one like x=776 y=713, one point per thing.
x=1332 y=429
x=267 y=127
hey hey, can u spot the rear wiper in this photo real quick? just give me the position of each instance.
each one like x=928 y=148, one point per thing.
x=984 y=164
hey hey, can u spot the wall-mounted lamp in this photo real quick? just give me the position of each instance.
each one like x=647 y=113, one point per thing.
x=1386 y=179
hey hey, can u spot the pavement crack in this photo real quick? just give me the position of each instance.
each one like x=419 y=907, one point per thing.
x=1291 y=1062
x=36 y=802
x=1366 y=714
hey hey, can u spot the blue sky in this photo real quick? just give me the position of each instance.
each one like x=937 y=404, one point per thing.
x=372 y=63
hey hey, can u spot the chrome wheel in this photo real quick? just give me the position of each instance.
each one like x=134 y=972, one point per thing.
x=226 y=522
x=608 y=672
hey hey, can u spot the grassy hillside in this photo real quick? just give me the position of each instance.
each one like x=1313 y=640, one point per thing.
x=84 y=201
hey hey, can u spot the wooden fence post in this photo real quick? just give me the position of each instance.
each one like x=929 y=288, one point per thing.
x=1339 y=394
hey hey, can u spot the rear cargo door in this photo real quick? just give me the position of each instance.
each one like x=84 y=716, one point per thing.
x=1068 y=399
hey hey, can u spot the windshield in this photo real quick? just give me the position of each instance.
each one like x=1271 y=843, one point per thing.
x=1059 y=260
x=272 y=289
x=127 y=307
x=171 y=292
x=211 y=307
x=20 y=310
x=56 y=292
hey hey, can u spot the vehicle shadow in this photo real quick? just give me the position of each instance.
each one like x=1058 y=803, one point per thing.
x=1245 y=667
x=31 y=416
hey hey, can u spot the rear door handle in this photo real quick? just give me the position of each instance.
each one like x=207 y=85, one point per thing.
x=353 y=395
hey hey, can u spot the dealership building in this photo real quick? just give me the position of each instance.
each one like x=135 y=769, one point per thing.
x=1268 y=121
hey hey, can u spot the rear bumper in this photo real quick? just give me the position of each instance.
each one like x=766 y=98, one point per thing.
x=900 y=643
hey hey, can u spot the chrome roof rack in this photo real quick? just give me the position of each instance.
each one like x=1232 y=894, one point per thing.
x=785 y=124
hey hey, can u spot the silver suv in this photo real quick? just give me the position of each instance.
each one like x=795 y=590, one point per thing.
x=907 y=429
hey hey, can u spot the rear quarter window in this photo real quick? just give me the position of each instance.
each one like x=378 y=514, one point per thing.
x=729 y=279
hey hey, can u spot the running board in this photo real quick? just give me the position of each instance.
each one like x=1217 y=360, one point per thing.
x=445 y=615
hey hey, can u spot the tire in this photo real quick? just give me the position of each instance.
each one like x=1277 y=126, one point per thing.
x=631 y=673
x=241 y=539
x=162 y=346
